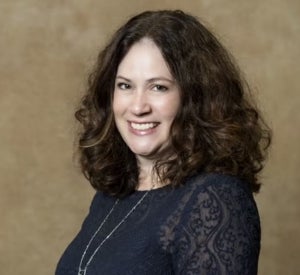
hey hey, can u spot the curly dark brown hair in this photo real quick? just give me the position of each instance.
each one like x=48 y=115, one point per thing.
x=218 y=128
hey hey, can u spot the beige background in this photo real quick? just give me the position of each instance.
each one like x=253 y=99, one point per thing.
x=46 y=50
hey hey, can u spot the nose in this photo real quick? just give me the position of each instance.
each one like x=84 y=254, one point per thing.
x=140 y=104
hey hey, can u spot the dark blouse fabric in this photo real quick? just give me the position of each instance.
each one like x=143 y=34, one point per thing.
x=210 y=225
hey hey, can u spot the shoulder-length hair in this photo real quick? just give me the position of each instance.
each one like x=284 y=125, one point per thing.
x=218 y=128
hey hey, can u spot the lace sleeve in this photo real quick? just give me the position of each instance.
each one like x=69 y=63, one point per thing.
x=218 y=232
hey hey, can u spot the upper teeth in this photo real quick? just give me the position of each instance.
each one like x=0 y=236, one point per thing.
x=142 y=126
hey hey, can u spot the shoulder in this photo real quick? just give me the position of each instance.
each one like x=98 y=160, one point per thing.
x=219 y=227
x=222 y=198
x=218 y=180
x=227 y=190
x=100 y=203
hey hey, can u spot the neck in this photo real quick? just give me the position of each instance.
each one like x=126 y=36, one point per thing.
x=147 y=179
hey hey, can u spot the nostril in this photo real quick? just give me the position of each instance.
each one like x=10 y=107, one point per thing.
x=140 y=107
x=139 y=111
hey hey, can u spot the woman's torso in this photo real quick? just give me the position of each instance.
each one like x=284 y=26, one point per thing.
x=172 y=231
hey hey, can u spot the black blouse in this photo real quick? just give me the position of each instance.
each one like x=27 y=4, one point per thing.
x=210 y=225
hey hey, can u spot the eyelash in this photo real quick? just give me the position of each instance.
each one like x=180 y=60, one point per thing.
x=160 y=88
x=125 y=86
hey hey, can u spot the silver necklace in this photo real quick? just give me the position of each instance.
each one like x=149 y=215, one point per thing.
x=82 y=270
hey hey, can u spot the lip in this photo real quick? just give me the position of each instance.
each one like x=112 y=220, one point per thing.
x=142 y=132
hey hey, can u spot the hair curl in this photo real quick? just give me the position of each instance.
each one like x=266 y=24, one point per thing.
x=218 y=128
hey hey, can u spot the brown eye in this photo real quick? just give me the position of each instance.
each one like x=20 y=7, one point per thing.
x=160 y=88
x=123 y=86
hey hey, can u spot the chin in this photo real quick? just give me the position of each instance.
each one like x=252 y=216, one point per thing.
x=144 y=151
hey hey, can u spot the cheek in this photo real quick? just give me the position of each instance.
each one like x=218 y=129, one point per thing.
x=116 y=105
x=170 y=109
x=114 y=108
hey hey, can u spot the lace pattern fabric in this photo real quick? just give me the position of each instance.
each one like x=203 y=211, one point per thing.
x=210 y=225
x=214 y=231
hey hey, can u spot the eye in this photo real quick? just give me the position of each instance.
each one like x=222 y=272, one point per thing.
x=123 y=86
x=160 y=88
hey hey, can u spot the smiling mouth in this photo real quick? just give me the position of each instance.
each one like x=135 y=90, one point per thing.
x=143 y=126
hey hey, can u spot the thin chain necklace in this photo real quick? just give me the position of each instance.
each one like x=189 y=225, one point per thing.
x=82 y=270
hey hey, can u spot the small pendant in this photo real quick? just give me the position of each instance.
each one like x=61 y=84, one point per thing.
x=82 y=271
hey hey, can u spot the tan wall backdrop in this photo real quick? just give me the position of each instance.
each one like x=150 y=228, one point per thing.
x=46 y=51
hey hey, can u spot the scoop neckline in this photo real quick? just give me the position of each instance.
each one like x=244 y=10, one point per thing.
x=153 y=190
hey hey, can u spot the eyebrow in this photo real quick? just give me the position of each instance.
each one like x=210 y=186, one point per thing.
x=151 y=80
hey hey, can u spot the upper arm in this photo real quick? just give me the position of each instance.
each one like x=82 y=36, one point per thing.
x=219 y=232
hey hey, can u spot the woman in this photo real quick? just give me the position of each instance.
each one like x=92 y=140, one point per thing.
x=173 y=146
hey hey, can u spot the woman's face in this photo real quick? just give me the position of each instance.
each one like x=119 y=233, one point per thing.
x=146 y=100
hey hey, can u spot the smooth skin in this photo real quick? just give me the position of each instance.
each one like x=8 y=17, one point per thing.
x=146 y=101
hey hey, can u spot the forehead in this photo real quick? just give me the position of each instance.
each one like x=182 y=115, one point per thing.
x=144 y=57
